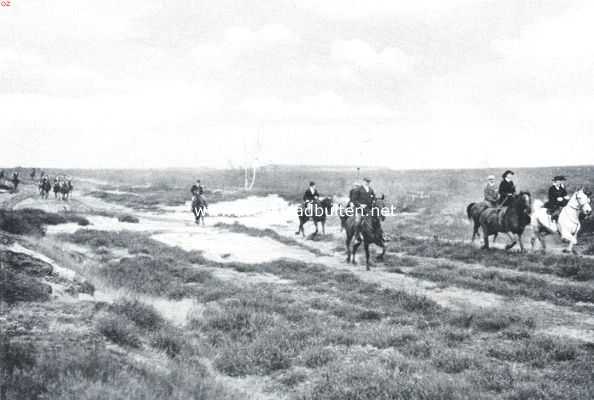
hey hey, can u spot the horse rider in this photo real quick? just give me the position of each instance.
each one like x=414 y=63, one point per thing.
x=507 y=189
x=197 y=195
x=310 y=198
x=197 y=189
x=558 y=197
x=16 y=181
x=491 y=192
x=363 y=197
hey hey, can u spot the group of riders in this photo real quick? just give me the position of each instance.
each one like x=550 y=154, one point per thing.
x=61 y=186
x=500 y=195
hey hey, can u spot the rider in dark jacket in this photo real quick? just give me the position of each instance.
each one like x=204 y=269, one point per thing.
x=197 y=188
x=507 y=189
x=558 y=197
x=16 y=181
x=311 y=194
x=363 y=196
x=310 y=197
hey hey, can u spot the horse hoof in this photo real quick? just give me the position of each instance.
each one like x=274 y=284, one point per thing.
x=367 y=268
x=565 y=251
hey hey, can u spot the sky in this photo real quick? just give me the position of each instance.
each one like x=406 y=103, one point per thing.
x=400 y=84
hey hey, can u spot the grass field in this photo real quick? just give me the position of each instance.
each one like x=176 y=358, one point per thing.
x=439 y=319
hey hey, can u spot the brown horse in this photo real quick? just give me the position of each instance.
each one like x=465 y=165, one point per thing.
x=512 y=219
x=474 y=211
x=317 y=213
x=66 y=188
x=45 y=187
x=365 y=229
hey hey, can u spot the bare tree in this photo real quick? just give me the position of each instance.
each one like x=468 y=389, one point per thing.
x=251 y=162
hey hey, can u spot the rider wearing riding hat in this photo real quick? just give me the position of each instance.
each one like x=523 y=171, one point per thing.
x=558 y=197
x=197 y=188
x=363 y=197
x=491 y=194
x=507 y=189
x=310 y=197
x=16 y=181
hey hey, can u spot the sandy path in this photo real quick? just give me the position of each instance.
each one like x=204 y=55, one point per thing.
x=175 y=228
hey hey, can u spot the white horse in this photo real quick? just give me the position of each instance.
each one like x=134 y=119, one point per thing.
x=568 y=224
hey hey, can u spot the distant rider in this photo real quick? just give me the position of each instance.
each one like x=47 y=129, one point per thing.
x=16 y=181
x=197 y=197
x=558 y=197
x=310 y=197
x=491 y=191
x=507 y=189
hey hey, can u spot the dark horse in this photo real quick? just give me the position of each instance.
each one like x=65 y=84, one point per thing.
x=474 y=211
x=512 y=219
x=66 y=188
x=365 y=229
x=45 y=187
x=199 y=207
x=317 y=213
x=57 y=185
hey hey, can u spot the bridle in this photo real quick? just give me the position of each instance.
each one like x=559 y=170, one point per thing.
x=575 y=199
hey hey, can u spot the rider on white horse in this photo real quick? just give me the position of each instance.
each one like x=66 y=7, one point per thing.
x=568 y=224
x=558 y=197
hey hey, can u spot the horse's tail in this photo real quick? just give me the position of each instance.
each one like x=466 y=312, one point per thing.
x=469 y=210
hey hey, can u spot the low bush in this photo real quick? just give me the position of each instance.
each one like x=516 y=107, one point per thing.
x=119 y=330
x=128 y=218
x=143 y=315
x=32 y=221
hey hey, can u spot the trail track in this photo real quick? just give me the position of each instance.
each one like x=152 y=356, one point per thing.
x=175 y=227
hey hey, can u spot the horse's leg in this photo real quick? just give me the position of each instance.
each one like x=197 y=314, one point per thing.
x=324 y=227
x=485 y=237
x=355 y=248
x=300 y=227
x=366 y=246
x=475 y=229
x=522 y=249
x=349 y=237
x=495 y=237
x=316 y=225
x=513 y=241
x=380 y=257
x=542 y=241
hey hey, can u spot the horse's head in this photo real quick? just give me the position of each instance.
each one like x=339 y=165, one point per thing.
x=326 y=204
x=581 y=201
x=379 y=206
x=523 y=202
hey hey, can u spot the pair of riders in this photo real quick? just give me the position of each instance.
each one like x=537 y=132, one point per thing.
x=361 y=200
x=361 y=197
x=499 y=197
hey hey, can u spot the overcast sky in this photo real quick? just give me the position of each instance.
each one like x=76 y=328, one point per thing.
x=404 y=84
